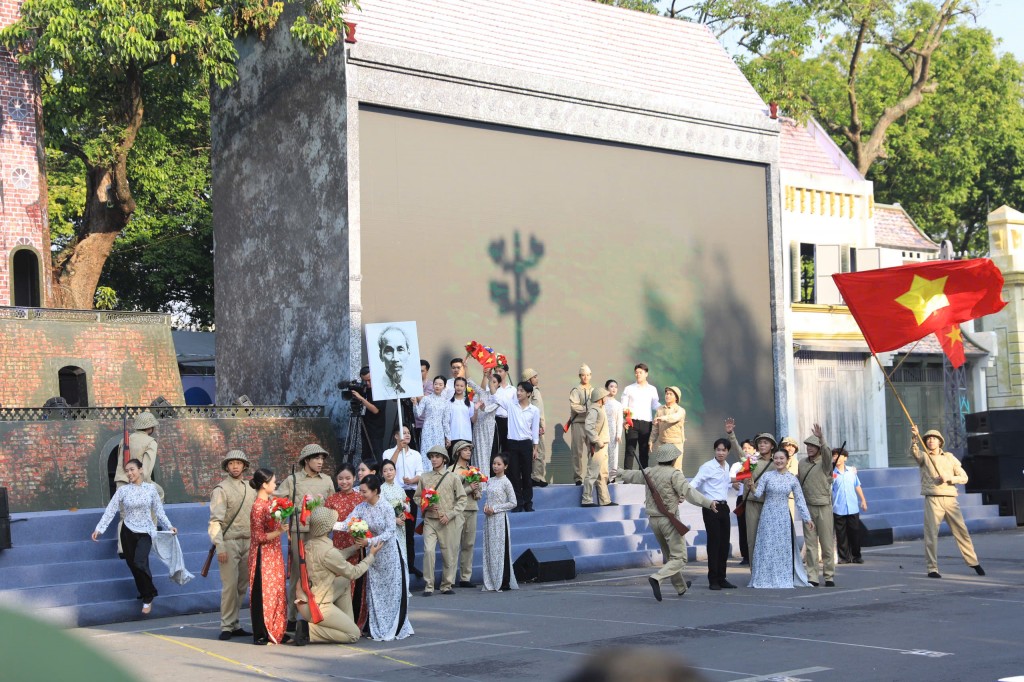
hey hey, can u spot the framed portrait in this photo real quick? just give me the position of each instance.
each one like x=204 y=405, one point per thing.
x=393 y=353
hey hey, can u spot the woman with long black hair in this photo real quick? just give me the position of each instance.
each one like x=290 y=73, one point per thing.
x=267 y=591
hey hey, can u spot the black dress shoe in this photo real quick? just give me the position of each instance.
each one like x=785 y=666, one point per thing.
x=290 y=627
x=428 y=593
x=843 y=561
x=539 y=484
x=714 y=586
x=301 y=633
x=466 y=583
x=262 y=641
x=978 y=569
x=590 y=504
x=239 y=632
x=934 y=574
x=225 y=635
x=813 y=583
x=656 y=586
x=830 y=583
x=448 y=591
x=858 y=560
x=726 y=585
x=577 y=483
x=744 y=562
x=529 y=506
x=611 y=504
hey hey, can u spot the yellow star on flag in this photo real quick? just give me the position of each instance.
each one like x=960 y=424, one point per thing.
x=925 y=297
x=954 y=335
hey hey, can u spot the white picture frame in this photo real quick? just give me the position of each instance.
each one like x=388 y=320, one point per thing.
x=393 y=354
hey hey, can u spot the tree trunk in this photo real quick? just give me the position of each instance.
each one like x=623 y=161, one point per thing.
x=77 y=270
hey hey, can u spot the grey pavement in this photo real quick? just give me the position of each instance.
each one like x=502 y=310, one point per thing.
x=885 y=621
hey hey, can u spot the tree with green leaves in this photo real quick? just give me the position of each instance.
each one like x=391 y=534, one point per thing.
x=110 y=71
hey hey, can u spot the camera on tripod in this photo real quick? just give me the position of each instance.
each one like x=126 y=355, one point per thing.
x=349 y=385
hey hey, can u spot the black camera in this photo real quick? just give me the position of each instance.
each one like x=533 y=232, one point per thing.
x=347 y=386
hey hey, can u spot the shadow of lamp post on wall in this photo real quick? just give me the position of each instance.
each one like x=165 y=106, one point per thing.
x=523 y=293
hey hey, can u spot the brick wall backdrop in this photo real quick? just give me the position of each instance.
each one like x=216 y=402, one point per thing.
x=63 y=464
x=126 y=363
x=23 y=217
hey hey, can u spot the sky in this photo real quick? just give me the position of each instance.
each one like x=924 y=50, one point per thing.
x=1005 y=18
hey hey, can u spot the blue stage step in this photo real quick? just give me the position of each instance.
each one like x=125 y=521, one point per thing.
x=63 y=575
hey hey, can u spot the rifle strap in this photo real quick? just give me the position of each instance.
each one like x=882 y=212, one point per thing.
x=660 y=504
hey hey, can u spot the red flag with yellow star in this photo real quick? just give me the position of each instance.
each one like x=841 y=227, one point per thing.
x=897 y=306
x=952 y=341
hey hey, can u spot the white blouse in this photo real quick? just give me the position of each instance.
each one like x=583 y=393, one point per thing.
x=138 y=504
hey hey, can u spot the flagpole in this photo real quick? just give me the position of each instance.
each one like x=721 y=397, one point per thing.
x=904 y=358
x=910 y=419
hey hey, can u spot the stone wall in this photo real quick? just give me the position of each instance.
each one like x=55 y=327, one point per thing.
x=128 y=358
x=54 y=463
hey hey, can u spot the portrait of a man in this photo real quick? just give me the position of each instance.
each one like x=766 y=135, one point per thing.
x=393 y=356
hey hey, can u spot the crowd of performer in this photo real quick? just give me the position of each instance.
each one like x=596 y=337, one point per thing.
x=350 y=552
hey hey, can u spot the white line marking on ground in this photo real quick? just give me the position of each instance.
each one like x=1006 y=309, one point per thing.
x=829 y=592
x=201 y=625
x=785 y=675
x=690 y=597
x=455 y=641
x=1008 y=601
x=816 y=641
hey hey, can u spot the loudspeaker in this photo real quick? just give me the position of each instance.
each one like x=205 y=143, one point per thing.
x=5 y=508
x=5 y=521
x=994 y=421
x=996 y=473
x=875 y=531
x=1011 y=502
x=996 y=444
x=545 y=564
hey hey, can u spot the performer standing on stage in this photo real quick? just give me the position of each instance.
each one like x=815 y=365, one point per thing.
x=815 y=474
x=230 y=507
x=579 y=404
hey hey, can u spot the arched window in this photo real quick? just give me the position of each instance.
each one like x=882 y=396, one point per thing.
x=25 y=279
x=73 y=386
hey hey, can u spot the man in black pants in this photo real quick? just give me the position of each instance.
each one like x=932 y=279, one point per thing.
x=523 y=435
x=712 y=481
x=508 y=394
x=641 y=399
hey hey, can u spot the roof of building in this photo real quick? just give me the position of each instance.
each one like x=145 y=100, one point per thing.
x=578 y=40
x=896 y=229
x=195 y=349
x=809 y=149
x=930 y=344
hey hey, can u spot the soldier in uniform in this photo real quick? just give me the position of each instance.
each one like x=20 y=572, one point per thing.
x=672 y=485
x=765 y=444
x=466 y=532
x=142 y=447
x=307 y=481
x=941 y=473
x=330 y=579
x=440 y=526
x=815 y=475
x=540 y=462
x=230 y=507
x=596 y=429
x=579 y=403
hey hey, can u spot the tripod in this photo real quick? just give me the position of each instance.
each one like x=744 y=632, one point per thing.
x=354 y=435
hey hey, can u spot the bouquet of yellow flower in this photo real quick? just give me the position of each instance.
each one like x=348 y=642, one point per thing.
x=473 y=475
x=359 y=529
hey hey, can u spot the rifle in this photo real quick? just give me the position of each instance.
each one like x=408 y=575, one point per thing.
x=673 y=518
x=213 y=548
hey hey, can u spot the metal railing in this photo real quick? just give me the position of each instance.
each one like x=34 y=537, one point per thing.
x=61 y=315
x=17 y=414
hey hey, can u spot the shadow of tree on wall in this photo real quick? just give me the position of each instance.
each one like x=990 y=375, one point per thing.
x=516 y=299
x=673 y=348
x=57 y=491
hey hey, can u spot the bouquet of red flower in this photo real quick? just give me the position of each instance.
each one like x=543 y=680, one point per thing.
x=359 y=529
x=309 y=503
x=281 y=508
x=470 y=393
x=745 y=472
x=402 y=508
x=473 y=475
x=501 y=360
x=627 y=418
x=428 y=498
x=482 y=354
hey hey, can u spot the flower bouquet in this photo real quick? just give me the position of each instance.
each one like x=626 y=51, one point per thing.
x=309 y=503
x=359 y=529
x=482 y=354
x=627 y=419
x=428 y=498
x=281 y=508
x=402 y=509
x=473 y=475
x=745 y=472
x=470 y=393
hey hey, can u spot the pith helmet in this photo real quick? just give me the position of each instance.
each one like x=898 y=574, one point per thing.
x=529 y=374
x=666 y=452
x=789 y=440
x=311 y=450
x=810 y=440
x=459 y=444
x=675 y=389
x=439 y=449
x=321 y=521
x=234 y=454
x=144 y=421
x=767 y=436
x=597 y=394
x=934 y=432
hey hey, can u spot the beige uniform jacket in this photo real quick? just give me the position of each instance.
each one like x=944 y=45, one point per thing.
x=141 y=446
x=579 y=403
x=451 y=494
x=671 y=430
x=758 y=469
x=302 y=484
x=816 y=477
x=538 y=401
x=231 y=502
x=471 y=498
x=596 y=428
x=324 y=563
x=945 y=465
x=670 y=483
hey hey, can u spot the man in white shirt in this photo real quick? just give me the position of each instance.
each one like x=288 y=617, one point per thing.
x=508 y=394
x=641 y=399
x=408 y=468
x=428 y=388
x=712 y=480
x=523 y=436
x=458 y=369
